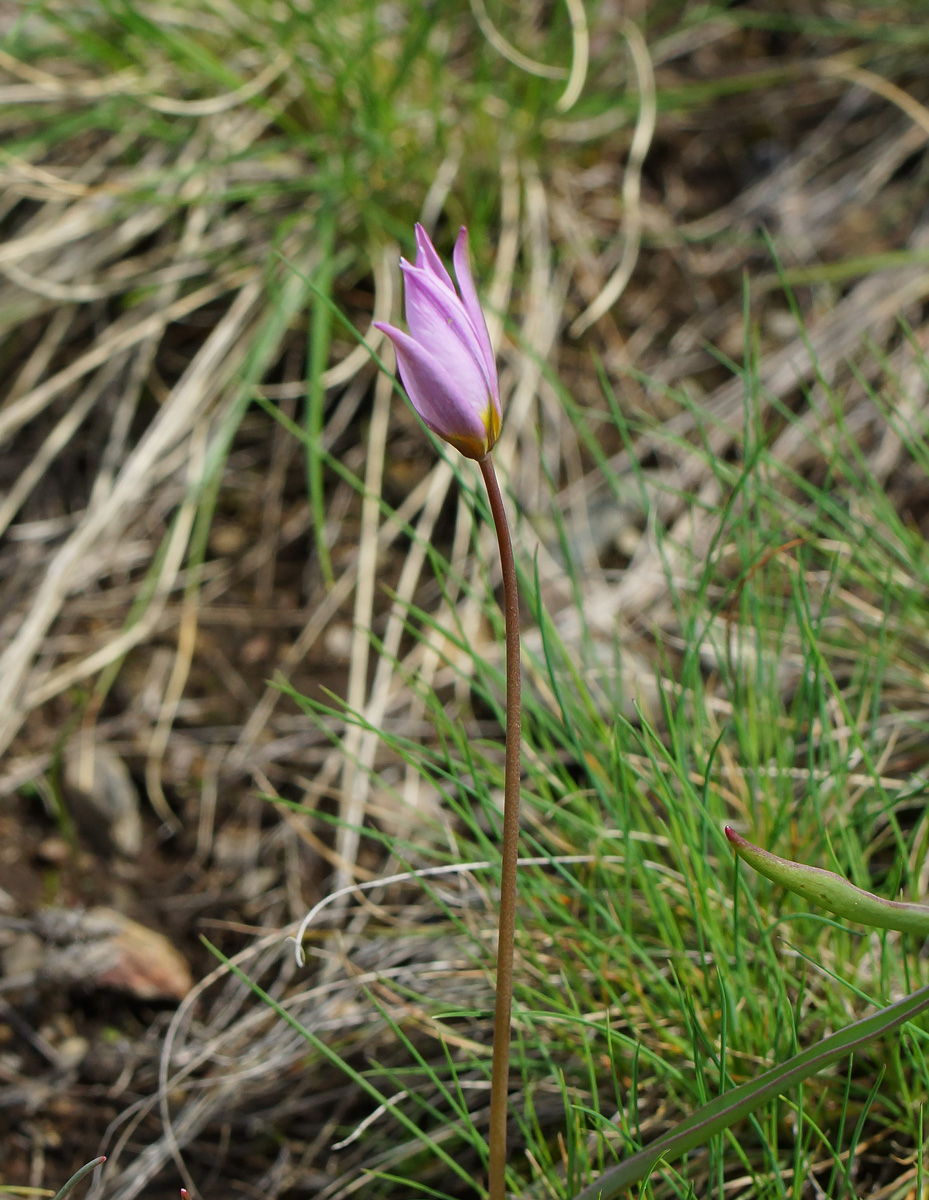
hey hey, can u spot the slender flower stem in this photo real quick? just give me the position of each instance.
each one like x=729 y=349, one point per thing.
x=500 y=1072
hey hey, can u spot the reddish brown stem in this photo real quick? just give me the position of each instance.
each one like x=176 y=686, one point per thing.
x=500 y=1071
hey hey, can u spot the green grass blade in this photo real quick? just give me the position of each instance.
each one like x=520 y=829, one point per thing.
x=79 y=1175
x=732 y=1106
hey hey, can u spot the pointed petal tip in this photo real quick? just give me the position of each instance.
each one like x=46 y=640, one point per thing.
x=384 y=327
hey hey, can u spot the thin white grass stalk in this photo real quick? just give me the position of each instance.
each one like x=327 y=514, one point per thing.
x=469 y=617
x=78 y=223
x=186 y=642
x=543 y=303
x=496 y=39
x=355 y=782
x=553 y=860
x=918 y=113
x=507 y=250
x=363 y=749
x=428 y=654
x=219 y=104
x=42 y=354
x=440 y=186
x=370 y=1119
x=632 y=182
x=169 y=1146
x=580 y=56
x=59 y=293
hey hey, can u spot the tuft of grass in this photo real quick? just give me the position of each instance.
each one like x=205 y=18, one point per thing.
x=779 y=693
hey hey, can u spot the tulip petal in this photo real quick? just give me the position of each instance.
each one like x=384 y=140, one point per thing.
x=438 y=319
x=457 y=409
x=428 y=259
x=462 y=260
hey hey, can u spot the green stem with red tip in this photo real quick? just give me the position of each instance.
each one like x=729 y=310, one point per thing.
x=500 y=1071
x=79 y=1175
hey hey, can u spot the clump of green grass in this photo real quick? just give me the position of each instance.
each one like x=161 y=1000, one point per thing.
x=655 y=975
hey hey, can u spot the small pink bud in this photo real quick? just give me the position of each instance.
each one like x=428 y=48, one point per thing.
x=446 y=361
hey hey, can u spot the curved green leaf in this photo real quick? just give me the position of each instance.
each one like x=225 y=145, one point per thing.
x=79 y=1175
x=832 y=892
x=732 y=1106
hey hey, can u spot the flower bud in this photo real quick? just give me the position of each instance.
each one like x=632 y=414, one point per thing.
x=446 y=361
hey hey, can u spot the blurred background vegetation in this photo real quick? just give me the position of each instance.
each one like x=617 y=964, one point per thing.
x=249 y=649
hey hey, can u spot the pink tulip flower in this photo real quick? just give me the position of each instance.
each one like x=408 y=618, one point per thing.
x=446 y=361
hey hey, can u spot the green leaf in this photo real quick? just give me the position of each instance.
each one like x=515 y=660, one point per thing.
x=79 y=1175
x=732 y=1106
x=832 y=891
